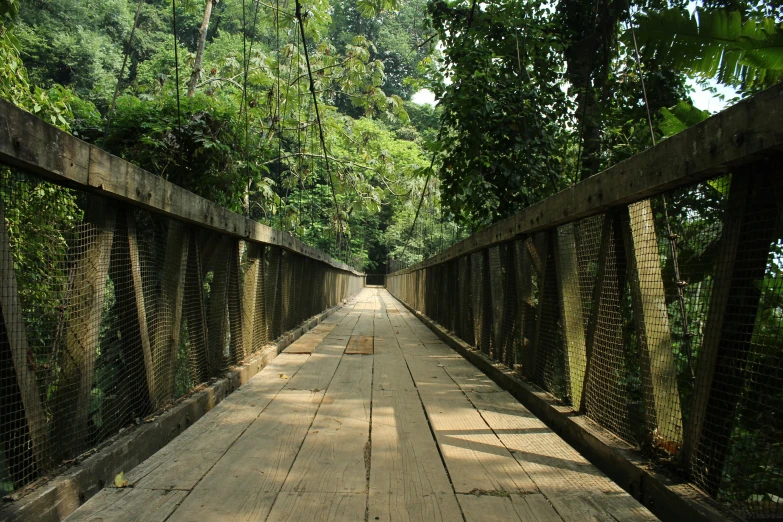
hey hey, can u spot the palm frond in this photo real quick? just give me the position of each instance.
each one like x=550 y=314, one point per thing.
x=714 y=44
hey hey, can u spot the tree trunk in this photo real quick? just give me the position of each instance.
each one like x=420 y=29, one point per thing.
x=202 y=41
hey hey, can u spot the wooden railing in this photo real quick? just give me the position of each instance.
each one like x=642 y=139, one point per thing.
x=648 y=297
x=122 y=292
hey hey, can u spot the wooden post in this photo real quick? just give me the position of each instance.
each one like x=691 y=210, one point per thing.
x=125 y=273
x=24 y=441
x=540 y=251
x=571 y=309
x=610 y=280
x=235 y=294
x=748 y=231
x=87 y=288
x=496 y=299
x=274 y=278
x=523 y=279
x=653 y=332
x=195 y=312
x=141 y=309
x=476 y=293
x=217 y=318
x=172 y=295
x=251 y=288
x=463 y=326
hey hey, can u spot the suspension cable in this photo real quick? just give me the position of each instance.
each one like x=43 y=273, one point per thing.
x=671 y=236
x=318 y=118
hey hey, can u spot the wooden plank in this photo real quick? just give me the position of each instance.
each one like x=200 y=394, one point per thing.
x=30 y=143
x=608 y=508
x=323 y=328
x=172 y=296
x=359 y=345
x=320 y=368
x=13 y=337
x=558 y=470
x=244 y=483
x=407 y=478
x=571 y=308
x=527 y=508
x=332 y=458
x=305 y=344
x=184 y=461
x=653 y=332
x=86 y=290
x=475 y=457
x=129 y=505
x=319 y=507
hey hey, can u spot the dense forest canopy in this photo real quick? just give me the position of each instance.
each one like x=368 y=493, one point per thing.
x=216 y=96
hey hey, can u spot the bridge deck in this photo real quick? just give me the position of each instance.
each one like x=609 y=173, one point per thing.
x=367 y=417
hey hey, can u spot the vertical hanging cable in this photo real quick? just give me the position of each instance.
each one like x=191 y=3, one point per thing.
x=671 y=236
x=318 y=120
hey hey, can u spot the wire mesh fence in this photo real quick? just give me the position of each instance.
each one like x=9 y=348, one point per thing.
x=660 y=320
x=110 y=313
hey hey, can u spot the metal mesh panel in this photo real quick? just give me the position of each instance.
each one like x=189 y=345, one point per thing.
x=110 y=312
x=737 y=398
x=550 y=370
x=661 y=320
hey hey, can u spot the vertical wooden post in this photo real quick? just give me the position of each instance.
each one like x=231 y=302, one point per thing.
x=653 y=332
x=217 y=318
x=251 y=287
x=541 y=244
x=571 y=309
x=476 y=293
x=235 y=294
x=172 y=295
x=463 y=323
x=87 y=288
x=610 y=280
x=274 y=278
x=23 y=430
x=496 y=299
x=139 y=305
x=523 y=278
x=748 y=231
x=195 y=311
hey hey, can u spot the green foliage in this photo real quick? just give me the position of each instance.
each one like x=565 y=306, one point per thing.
x=717 y=44
x=503 y=111
x=680 y=117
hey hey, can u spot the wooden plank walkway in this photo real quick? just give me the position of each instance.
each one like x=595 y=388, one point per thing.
x=368 y=417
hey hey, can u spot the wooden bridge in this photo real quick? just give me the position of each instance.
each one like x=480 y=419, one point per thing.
x=369 y=416
x=612 y=353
